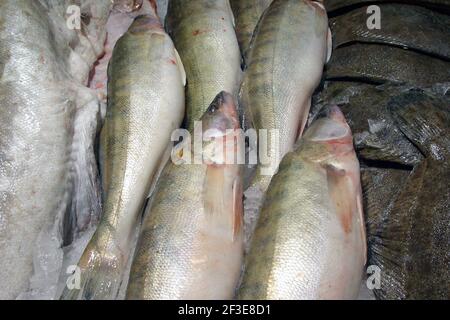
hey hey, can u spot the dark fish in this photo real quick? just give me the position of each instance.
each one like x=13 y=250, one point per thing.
x=333 y=5
x=410 y=27
x=380 y=64
x=365 y=106
x=412 y=247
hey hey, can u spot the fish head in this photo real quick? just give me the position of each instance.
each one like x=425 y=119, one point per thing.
x=146 y=23
x=221 y=130
x=329 y=139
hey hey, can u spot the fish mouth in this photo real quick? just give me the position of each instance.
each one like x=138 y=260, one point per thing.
x=331 y=129
x=221 y=115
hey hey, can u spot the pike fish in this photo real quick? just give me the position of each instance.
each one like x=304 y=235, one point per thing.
x=310 y=242
x=191 y=241
x=203 y=33
x=411 y=27
x=48 y=120
x=291 y=44
x=247 y=14
x=412 y=247
x=145 y=105
x=380 y=64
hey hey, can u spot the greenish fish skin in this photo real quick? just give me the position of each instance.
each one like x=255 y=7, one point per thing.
x=380 y=64
x=246 y=15
x=412 y=27
x=411 y=246
x=48 y=173
x=203 y=33
x=289 y=50
x=309 y=242
x=145 y=105
x=191 y=240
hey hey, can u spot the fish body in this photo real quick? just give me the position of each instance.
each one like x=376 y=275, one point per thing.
x=405 y=26
x=191 y=240
x=145 y=105
x=203 y=33
x=411 y=246
x=339 y=5
x=309 y=242
x=247 y=15
x=48 y=174
x=375 y=63
x=285 y=64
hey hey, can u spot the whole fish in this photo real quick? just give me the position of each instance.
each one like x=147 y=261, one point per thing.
x=365 y=107
x=406 y=26
x=310 y=242
x=290 y=47
x=145 y=105
x=333 y=5
x=191 y=241
x=247 y=14
x=412 y=248
x=48 y=120
x=380 y=64
x=203 y=33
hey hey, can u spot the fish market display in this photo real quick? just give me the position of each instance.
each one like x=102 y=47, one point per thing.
x=309 y=242
x=145 y=105
x=246 y=15
x=203 y=33
x=333 y=5
x=290 y=48
x=367 y=62
x=48 y=185
x=412 y=247
x=191 y=241
x=420 y=29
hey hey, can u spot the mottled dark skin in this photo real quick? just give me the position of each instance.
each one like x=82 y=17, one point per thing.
x=412 y=248
x=375 y=134
x=386 y=64
x=412 y=27
x=336 y=6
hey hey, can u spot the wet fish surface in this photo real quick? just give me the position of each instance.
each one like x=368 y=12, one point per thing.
x=412 y=247
x=380 y=64
x=145 y=105
x=48 y=174
x=333 y=5
x=191 y=241
x=406 y=26
x=309 y=242
x=203 y=33
x=247 y=14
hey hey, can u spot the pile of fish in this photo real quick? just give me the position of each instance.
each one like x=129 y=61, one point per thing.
x=222 y=149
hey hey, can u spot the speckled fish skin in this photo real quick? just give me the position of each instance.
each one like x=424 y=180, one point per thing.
x=247 y=14
x=203 y=33
x=145 y=105
x=191 y=241
x=309 y=242
x=333 y=5
x=412 y=248
x=381 y=64
x=286 y=62
x=43 y=66
x=406 y=26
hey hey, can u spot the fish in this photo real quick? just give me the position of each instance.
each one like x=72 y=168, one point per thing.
x=335 y=6
x=406 y=26
x=290 y=48
x=146 y=82
x=191 y=240
x=376 y=137
x=309 y=242
x=412 y=245
x=49 y=188
x=376 y=63
x=203 y=33
x=246 y=15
